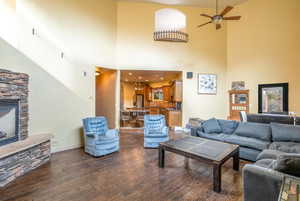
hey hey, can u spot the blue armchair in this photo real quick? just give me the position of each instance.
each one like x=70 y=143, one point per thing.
x=99 y=140
x=155 y=130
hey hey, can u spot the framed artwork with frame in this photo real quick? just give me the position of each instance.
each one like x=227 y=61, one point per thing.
x=273 y=98
x=207 y=84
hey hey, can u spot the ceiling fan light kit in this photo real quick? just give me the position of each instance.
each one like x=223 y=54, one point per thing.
x=219 y=18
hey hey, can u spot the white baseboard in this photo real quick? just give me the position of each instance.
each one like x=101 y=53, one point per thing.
x=65 y=148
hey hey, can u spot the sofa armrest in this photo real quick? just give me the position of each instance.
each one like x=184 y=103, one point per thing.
x=194 y=131
x=261 y=184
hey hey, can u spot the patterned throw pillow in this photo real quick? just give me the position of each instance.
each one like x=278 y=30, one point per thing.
x=289 y=164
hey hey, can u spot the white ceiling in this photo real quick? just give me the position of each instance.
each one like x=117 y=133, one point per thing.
x=200 y=3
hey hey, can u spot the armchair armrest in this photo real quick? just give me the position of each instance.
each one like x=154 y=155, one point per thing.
x=261 y=184
x=90 y=134
x=112 y=132
x=165 y=130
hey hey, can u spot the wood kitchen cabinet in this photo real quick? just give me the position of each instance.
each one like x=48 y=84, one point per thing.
x=167 y=93
x=173 y=117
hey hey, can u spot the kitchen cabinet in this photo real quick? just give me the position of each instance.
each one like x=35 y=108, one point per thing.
x=167 y=93
x=173 y=117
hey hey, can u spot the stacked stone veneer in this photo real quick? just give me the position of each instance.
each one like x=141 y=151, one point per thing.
x=15 y=86
x=29 y=152
x=18 y=164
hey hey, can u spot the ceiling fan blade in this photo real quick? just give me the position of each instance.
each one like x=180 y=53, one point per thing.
x=232 y=18
x=226 y=10
x=218 y=26
x=204 y=15
x=201 y=25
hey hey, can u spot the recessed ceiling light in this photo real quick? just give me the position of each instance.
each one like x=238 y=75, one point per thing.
x=130 y=74
x=97 y=73
x=146 y=80
x=126 y=80
x=161 y=78
x=140 y=77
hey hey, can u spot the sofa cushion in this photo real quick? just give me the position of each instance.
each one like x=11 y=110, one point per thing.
x=289 y=164
x=249 y=153
x=269 y=154
x=227 y=126
x=288 y=147
x=247 y=142
x=213 y=136
x=285 y=133
x=211 y=126
x=266 y=163
x=254 y=130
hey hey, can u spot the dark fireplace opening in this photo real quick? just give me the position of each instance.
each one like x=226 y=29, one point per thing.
x=9 y=121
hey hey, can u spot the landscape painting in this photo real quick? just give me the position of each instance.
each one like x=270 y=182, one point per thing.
x=273 y=98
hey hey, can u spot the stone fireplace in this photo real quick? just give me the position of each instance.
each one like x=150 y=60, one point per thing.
x=19 y=152
x=9 y=121
x=14 y=98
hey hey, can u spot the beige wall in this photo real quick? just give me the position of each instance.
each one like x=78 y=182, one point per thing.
x=53 y=108
x=106 y=96
x=205 y=53
x=84 y=29
x=264 y=47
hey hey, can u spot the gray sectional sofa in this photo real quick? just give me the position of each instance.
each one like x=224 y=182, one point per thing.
x=253 y=138
x=275 y=149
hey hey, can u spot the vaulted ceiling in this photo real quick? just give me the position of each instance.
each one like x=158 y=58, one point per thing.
x=200 y=3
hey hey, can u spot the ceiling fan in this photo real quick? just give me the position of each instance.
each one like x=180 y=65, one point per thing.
x=218 y=18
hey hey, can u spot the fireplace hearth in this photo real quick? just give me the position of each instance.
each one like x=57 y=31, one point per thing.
x=9 y=121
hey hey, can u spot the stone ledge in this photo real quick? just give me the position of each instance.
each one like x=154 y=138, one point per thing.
x=31 y=141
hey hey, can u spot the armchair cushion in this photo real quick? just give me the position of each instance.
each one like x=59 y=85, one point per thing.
x=269 y=154
x=289 y=164
x=211 y=126
x=288 y=147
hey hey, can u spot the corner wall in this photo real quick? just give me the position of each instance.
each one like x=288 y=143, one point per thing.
x=106 y=96
x=53 y=107
x=264 y=47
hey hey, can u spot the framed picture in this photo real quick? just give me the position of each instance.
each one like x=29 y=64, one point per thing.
x=273 y=98
x=207 y=84
x=238 y=85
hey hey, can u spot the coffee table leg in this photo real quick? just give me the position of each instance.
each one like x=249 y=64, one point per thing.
x=217 y=178
x=161 y=157
x=186 y=162
x=236 y=162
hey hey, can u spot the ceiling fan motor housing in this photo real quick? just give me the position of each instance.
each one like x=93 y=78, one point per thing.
x=217 y=19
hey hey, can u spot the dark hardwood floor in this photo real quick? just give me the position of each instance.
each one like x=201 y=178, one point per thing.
x=129 y=175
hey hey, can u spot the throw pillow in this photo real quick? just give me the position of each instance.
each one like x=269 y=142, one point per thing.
x=288 y=163
x=285 y=132
x=228 y=127
x=211 y=126
x=254 y=130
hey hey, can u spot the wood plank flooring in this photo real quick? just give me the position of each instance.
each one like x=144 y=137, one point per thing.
x=129 y=175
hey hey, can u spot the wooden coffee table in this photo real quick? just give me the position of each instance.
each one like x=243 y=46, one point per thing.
x=208 y=151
